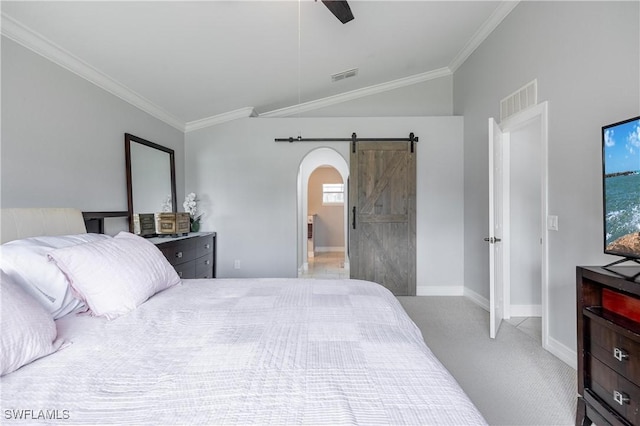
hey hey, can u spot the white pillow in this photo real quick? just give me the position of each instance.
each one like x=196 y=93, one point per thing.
x=28 y=331
x=115 y=276
x=26 y=262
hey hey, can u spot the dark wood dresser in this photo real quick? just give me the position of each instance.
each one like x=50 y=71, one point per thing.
x=608 y=309
x=193 y=256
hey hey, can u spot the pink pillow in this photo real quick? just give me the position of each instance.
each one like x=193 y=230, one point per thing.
x=28 y=330
x=26 y=262
x=115 y=276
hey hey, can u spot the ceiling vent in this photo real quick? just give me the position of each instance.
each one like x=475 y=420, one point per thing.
x=521 y=99
x=344 y=74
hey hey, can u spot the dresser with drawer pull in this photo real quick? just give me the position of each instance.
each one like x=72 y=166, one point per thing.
x=608 y=320
x=192 y=256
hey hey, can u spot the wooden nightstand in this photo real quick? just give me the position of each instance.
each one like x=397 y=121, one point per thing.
x=608 y=309
x=193 y=256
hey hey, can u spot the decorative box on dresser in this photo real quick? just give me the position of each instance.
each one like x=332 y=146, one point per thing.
x=193 y=256
x=608 y=310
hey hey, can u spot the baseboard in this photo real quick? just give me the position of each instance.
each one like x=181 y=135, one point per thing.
x=476 y=298
x=515 y=310
x=439 y=290
x=328 y=249
x=557 y=349
x=562 y=352
x=525 y=310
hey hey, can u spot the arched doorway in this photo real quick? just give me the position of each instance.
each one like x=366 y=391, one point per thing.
x=319 y=157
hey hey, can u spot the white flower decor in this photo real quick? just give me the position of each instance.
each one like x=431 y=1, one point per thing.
x=191 y=205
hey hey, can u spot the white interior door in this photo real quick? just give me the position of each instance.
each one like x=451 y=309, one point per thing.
x=496 y=227
x=525 y=245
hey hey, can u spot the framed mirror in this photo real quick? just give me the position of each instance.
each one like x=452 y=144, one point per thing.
x=151 y=177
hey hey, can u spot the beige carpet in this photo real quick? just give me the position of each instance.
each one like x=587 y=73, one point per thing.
x=511 y=379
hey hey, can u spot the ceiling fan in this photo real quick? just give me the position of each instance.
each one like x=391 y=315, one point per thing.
x=340 y=9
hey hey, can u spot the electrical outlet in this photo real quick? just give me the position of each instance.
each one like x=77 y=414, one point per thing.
x=236 y=264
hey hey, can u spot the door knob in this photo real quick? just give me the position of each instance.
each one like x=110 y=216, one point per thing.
x=492 y=240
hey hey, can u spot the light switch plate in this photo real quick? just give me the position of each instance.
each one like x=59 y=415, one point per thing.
x=552 y=223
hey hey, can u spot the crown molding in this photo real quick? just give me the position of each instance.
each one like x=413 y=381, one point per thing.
x=358 y=93
x=39 y=44
x=219 y=119
x=498 y=15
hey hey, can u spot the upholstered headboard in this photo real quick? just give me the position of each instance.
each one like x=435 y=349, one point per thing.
x=32 y=222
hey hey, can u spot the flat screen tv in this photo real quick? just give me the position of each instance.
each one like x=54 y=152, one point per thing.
x=621 y=188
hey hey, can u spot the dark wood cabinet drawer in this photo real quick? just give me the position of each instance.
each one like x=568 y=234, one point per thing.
x=619 y=393
x=608 y=345
x=204 y=266
x=180 y=251
x=193 y=256
x=204 y=246
x=186 y=270
x=618 y=352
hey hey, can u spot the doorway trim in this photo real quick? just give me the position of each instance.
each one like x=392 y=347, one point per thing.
x=539 y=111
x=315 y=158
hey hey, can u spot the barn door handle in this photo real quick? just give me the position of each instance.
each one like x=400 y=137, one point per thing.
x=353 y=222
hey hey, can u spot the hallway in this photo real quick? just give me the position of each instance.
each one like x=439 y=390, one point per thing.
x=326 y=265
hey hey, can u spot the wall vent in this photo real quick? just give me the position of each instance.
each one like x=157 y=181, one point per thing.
x=523 y=98
x=344 y=74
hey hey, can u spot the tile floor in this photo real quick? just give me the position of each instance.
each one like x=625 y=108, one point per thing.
x=327 y=265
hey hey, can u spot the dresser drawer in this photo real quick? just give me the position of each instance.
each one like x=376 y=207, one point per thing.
x=618 y=352
x=204 y=245
x=186 y=270
x=617 y=392
x=193 y=256
x=204 y=266
x=180 y=251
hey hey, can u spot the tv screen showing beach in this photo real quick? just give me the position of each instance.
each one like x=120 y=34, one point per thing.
x=621 y=187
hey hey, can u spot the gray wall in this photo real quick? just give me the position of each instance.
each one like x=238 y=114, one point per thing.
x=63 y=137
x=426 y=99
x=586 y=58
x=248 y=187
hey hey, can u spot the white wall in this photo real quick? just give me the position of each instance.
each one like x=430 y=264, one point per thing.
x=586 y=57
x=426 y=99
x=525 y=221
x=248 y=185
x=63 y=137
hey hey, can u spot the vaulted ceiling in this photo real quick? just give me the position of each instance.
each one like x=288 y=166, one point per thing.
x=193 y=64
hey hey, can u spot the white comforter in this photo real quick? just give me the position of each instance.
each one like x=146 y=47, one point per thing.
x=258 y=351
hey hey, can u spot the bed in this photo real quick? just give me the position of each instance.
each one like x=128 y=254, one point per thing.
x=215 y=351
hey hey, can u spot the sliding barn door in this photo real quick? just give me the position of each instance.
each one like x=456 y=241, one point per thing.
x=382 y=201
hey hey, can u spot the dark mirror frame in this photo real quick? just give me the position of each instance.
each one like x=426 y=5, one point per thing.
x=128 y=138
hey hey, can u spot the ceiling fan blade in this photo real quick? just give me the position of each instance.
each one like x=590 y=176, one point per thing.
x=340 y=9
